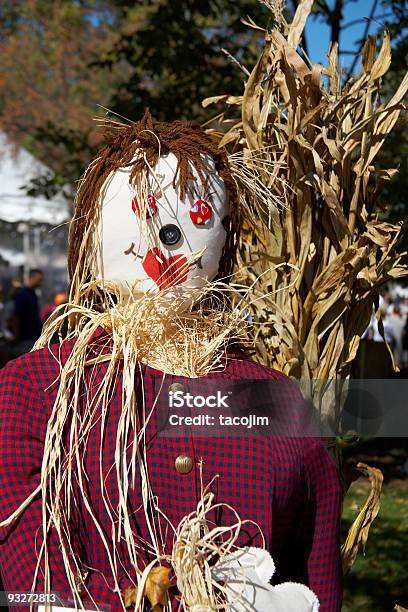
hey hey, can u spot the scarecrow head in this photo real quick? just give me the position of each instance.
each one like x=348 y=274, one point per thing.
x=156 y=211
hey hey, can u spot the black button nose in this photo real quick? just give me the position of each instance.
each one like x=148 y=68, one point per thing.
x=170 y=234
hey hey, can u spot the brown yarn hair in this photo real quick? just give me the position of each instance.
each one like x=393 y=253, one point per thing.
x=187 y=141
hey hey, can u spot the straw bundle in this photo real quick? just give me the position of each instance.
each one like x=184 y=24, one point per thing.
x=197 y=548
x=321 y=137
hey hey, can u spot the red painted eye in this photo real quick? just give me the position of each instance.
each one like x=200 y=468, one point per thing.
x=151 y=208
x=200 y=212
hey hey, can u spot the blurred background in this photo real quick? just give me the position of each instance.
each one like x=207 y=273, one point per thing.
x=63 y=63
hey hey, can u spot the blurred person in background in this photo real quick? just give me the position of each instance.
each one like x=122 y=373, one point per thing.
x=8 y=310
x=396 y=323
x=373 y=333
x=7 y=322
x=3 y=339
x=1 y=310
x=48 y=309
x=404 y=307
x=405 y=343
x=373 y=357
x=26 y=322
x=386 y=303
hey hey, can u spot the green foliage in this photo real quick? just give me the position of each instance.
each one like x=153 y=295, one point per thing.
x=48 y=94
x=175 y=51
x=59 y=60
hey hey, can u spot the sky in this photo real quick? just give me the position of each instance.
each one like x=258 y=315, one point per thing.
x=318 y=33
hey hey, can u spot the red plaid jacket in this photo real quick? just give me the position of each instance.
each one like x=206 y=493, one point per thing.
x=288 y=485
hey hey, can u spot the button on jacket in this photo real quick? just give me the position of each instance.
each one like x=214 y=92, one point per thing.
x=288 y=485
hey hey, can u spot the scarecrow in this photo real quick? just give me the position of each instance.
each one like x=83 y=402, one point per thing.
x=106 y=505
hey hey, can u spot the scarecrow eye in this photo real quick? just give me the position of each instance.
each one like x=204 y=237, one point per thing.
x=151 y=208
x=170 y=234
x=200 y=212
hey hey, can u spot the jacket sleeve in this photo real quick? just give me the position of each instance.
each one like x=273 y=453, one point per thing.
x=320 y=530
x=23 y=424
x=23 y=421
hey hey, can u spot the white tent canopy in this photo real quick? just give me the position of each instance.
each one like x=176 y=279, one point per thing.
x=17 y=168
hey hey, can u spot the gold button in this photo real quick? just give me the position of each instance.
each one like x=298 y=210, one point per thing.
x=176 y=387
x=183 y=464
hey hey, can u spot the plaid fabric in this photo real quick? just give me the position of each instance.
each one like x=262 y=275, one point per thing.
x=288 y=485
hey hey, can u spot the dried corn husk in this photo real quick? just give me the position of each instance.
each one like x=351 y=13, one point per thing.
x=321 y=137
x=358 y=532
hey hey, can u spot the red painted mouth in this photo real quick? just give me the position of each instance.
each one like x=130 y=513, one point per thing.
x=165 y=271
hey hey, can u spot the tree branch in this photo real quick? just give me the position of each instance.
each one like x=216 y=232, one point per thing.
x=335 y=21
x=322 y=4
x=366 y=30
x=364 y=19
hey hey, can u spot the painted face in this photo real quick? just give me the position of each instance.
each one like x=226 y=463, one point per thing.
x=156 y=241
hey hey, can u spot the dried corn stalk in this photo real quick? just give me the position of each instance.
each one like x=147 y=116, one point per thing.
x=311 y=142
x=358 y=533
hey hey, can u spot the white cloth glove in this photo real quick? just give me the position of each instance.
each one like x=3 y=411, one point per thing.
x=246 y=575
